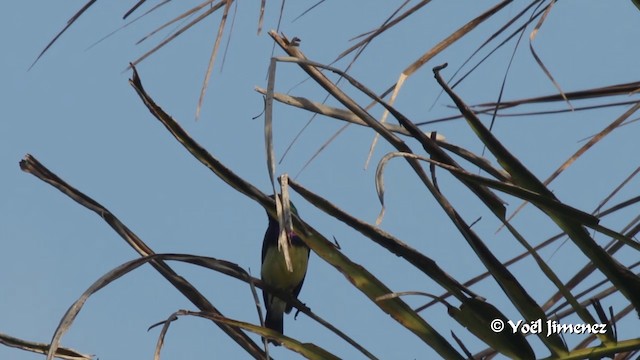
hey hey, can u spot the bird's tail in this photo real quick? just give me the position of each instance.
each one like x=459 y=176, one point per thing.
x=274 y=321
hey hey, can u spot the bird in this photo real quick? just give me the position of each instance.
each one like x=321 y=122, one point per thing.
x=275 y=274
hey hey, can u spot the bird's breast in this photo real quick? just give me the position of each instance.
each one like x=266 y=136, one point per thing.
x=274 y=269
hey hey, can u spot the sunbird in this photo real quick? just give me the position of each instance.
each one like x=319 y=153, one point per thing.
x=275 y=274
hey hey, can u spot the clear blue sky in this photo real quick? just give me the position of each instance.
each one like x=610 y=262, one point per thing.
x=76 y=113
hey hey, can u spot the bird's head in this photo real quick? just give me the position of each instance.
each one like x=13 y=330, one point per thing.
x=291 y=206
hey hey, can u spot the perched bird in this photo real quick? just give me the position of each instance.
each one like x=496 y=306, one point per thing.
x=275 y=274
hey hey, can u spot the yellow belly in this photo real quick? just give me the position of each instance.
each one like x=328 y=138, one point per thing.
x=277 y=275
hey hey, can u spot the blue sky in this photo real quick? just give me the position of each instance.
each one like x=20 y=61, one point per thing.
x=77 y=114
